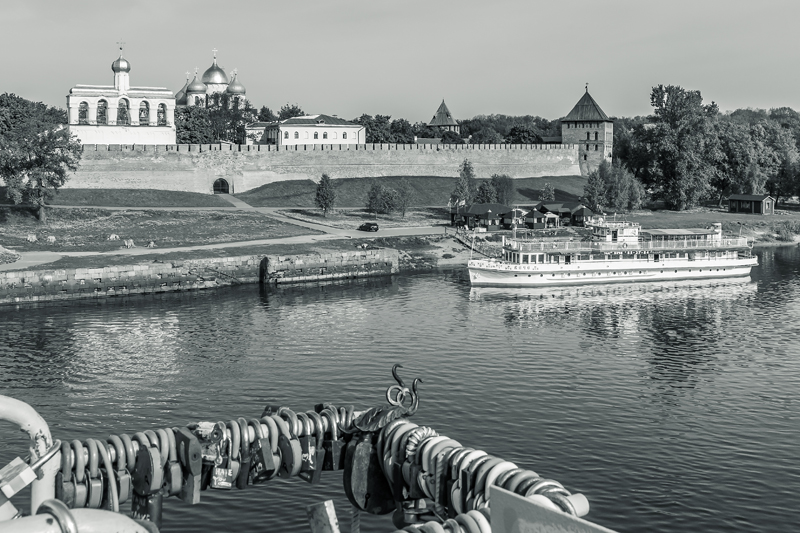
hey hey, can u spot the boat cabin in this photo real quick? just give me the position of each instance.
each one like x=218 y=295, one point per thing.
x=616 y=232
x=690 y=236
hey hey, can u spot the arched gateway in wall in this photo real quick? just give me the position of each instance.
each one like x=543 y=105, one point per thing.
x=221 y=187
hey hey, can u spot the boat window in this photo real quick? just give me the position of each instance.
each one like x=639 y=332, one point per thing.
x=525 y=258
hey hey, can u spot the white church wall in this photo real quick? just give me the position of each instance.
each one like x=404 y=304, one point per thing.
x=123 y=134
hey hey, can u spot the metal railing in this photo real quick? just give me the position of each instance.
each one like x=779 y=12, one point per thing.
x=597 y=246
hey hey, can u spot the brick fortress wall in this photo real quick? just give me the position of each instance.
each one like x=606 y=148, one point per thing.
x=195 y=168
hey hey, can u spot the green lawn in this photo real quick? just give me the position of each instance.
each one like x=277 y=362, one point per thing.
x=135 y=198
x=428 y=190
x=88 y=229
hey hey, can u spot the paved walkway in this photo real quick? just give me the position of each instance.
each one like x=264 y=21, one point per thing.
x=32 y=259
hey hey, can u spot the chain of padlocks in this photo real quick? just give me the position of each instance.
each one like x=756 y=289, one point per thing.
x=430 y=482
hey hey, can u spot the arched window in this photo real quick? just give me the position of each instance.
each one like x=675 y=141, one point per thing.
x=102 y=112
x=587 y=135
x=595 y=147
x=344 y=135
x=144 y=114
x=296 y=135
x=162 y=114
x=83 y=113
x=123 y=116
x=584 y=157
x=305 y=135
x=316 y=135
x=334 y=135
x=324 y=134
x=285 y=134
x=196 y=100
x=595 y=136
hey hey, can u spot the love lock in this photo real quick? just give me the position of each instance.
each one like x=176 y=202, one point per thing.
x=244 y=455
x=291 y=454
x=95 y=484
x=317 y=451
x=173 y=473
x=273 y=433
x=65 y=489
x=263 y=464
x=148 y=480
x=147 y=507
x=222 y=472
x=334 y=458
x=122 y=475
x=190 y=456
x=364 y=483
x=79 y=481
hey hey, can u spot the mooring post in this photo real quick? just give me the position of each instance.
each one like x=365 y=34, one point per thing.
x=322 y=517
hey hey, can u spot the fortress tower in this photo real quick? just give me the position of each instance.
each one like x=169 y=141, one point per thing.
x=591 y=129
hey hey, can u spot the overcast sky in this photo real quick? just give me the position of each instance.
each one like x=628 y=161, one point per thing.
x=348 y=57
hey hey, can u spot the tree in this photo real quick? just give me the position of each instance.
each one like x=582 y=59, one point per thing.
x=401 y=131
x=486 y=135
x=786 y=181
x=326 y=194
x=547 y=193
x=594 y=192
x=523 y=134
x=486 y=193
x=451 y=137
x=613 y=186
x=265 y=114
x=36 y=151
x=377 y=129
x=424 y=131
x=504 y=188
x=290 y=111
x=682 y=145
x=405 y=196
x=464 y=191
x=381 y=199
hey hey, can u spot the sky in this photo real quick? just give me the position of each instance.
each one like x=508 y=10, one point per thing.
x=349 y=57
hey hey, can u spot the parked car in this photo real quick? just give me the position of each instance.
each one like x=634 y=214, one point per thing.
x=368 y=226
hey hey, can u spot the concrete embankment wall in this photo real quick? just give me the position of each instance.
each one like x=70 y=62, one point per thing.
x=195 y=167
x=73 y=284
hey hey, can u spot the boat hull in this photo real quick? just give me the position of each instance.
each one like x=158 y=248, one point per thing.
x=498 y=274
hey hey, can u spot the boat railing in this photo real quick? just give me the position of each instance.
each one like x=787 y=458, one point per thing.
x=600 y=246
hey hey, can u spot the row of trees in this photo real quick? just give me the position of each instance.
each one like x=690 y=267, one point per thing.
x=498 y=189
x=223 y=120
x=380 y=198
x=687 y=152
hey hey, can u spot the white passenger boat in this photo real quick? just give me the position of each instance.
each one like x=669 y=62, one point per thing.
x=618 y=252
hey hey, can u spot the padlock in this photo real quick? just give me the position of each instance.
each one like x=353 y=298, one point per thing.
x=79 y=480
x=364 y=483
x=235 y=448
x=289 y=416
x=121 y=474
x=334 y=458
x=244 y=455
x=148 y=476
x=147 y=507
x=307 y=443
x=222 y=473
x=65 y=489
x=262 y=466
x=190 y=456
x=15 y=476
x=173 y=473
x=94 y=496
x=273 y=433
x=315 y=474
x=291 y=455
x=468 y=480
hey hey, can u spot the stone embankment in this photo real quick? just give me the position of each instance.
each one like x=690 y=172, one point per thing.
x=73 y=284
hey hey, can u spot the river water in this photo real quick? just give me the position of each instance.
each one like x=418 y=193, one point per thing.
x=672 y=407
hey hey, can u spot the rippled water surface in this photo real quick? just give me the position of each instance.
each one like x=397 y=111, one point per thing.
x=673 y=407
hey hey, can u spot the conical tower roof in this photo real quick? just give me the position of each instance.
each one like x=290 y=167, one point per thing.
x=587 y=110
x=443 y=117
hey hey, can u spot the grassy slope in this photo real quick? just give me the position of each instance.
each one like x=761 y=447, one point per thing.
x=429 y=190
x=135 y=198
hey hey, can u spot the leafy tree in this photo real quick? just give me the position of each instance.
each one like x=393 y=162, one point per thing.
x=36 y=151
x=451 y=137
x=682 y=145
x=401 y=131
x=265 y=114
x=424 y=131
x=504 y=188
x=405 y=196
x=290 y=111
x=193 y=125
x=381 y=199
x=523 y=134
x=378 y=128
x=464 y=191
x=614 y=187
x=594 y=192
x=326 y=194
x=486 y=193
x=486 y=135
x=547 y=193
x=786 y=181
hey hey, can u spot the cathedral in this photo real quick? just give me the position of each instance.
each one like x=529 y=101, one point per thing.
x=211 y=86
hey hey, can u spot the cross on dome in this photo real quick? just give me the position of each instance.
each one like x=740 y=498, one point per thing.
x=121 y=46
x=215 y=53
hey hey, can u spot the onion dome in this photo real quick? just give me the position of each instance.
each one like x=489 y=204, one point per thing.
x=121 y=65
x=215 y=75
x=180 y=96
x=234 y=87
x=196 y=86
